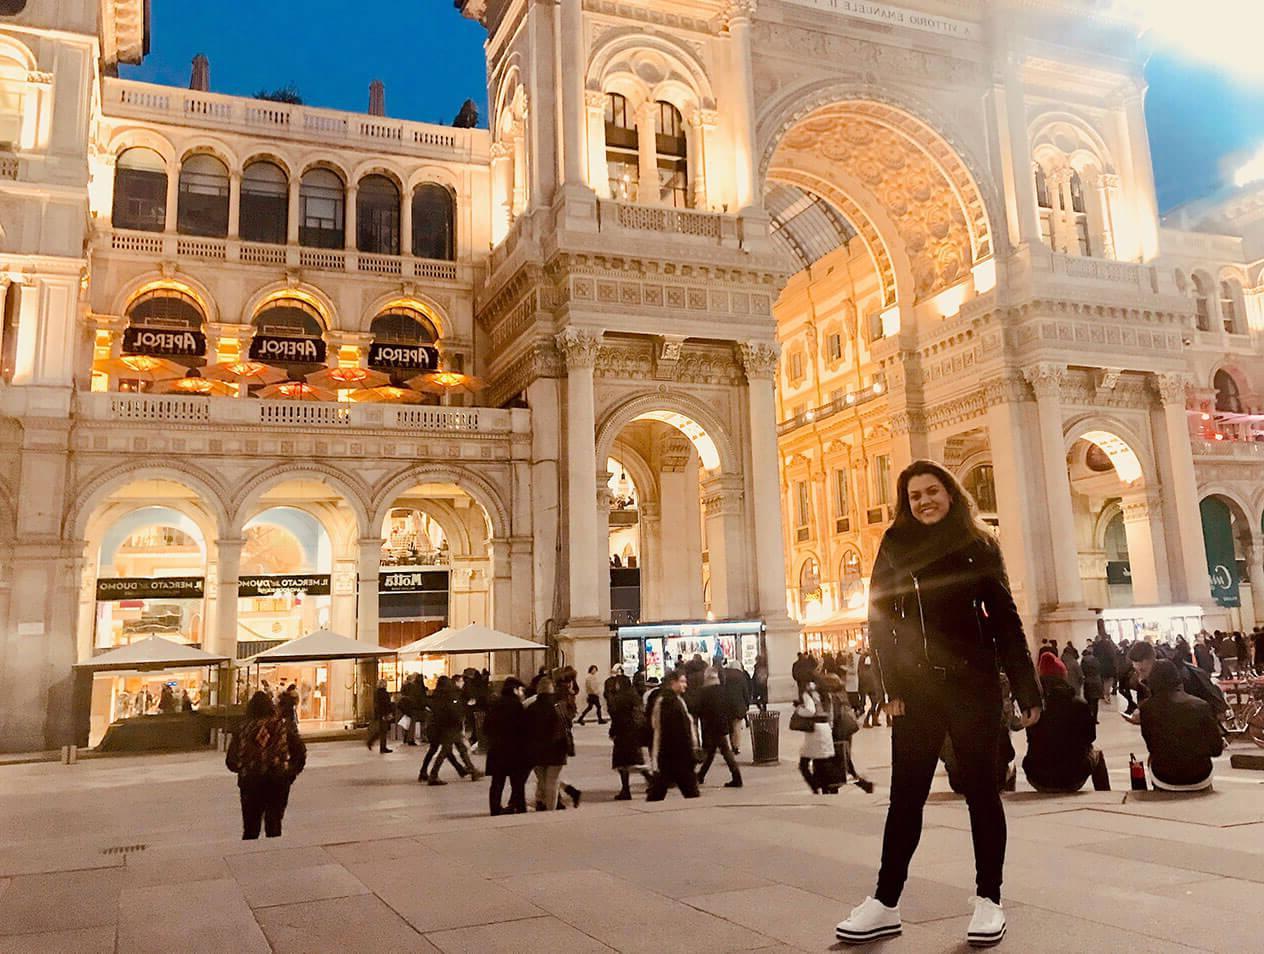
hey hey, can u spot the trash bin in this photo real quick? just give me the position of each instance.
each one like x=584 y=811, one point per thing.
x=765 y=728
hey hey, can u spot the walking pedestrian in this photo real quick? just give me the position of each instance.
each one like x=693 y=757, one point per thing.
x=818 y=737
x=843 y=725
x=548 y=744
x=444 y=735
x=266 y=754
x=940 y=618
x=870 y=690
x=505 y=729
x=737 y=692
x=672 y=752
x=383 y=714
x=1092 y=671
x=627 y=732
x=713 y=713
x=592 y=686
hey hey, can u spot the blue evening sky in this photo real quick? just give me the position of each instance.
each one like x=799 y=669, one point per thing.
x=1202 y=122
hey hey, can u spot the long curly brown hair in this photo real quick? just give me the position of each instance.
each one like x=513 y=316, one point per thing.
x=963 y=512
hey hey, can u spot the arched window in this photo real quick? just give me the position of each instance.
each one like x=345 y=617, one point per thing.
x=13 y=87
x=980 y=485
x=809 y=584
x=403 y=325
x=1228 y=399
x=289 y=317
x=671 y=151
x=289 y=334
x=1044 y=201
x=434 y=223
x=377 y=216
x=1202 y=301
x=622 y=161
x=140 y=191
x=1231 y=305
x=203 y=202
x=321 y=207
x=265 y=203
x=1080 y=211
x=167 y=308
x=851 y=587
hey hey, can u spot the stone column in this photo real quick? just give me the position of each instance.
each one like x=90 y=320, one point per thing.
x=1016 y=160
x=292 y=219
x=573 y=59
x=1136 y=152
x=406 y=224
x=519 y=173
x=502 y=189
x=722 y=507
x=595 y=110
x=702 y=123
x=741 y=89
x=681 y=573
x=234 y=204
x=651 y=561
x=1107 y=190
x=173 y=199
x=647 y=191
x=767 y=560
x=368 y=566
x=1254 y=573
x=349 y=217
x=1046 y=381
x=501 y=586
x=605 y=501
x=1176 y=470
x=223 y=639
x=579 y=348
x=1142 y=556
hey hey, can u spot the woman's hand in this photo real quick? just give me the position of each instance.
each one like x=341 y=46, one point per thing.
x=894 y=708
x=1031 y=717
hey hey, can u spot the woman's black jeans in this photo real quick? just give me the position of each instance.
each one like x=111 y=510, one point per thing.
x=967 y=710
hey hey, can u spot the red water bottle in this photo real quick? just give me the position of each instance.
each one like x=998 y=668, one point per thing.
x=1137 y=773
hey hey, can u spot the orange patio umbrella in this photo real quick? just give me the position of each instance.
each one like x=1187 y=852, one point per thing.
x=194 y=383
x=297 y=391
x=139 y=367
x=446 y=382
x=348 y=378
x=386 y=394
x=244 y=372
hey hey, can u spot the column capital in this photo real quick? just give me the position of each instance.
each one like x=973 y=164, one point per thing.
x=759 y=360
x=501 y=149
x=1138 y=507
x=1046 y=379
x=650 y=510
x=1009 y=387
x=1171 y=387
x=738 y=11
x=579 y=347
x=595 y=99
x=909 y=420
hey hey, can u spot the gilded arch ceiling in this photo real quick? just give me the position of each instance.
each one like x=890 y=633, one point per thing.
x=935 y=210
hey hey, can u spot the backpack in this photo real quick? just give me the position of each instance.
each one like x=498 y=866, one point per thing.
x=1205 y=688
x=261 y=747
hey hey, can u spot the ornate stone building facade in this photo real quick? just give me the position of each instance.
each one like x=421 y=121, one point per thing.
x=722 y=268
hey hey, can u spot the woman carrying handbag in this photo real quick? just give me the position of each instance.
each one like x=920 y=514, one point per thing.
x=811 y=717
x=940 y=618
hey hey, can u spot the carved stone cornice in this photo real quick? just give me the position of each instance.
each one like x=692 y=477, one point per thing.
x=540 y=361
x=1008 y=387
x=1046 y=379
x=911 y=420
x=1171 y=388
x=1137 y=509
x=579 y=347
x=958 y=410
x=759 y=360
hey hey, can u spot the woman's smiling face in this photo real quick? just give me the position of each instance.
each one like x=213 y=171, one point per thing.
x=928 y=499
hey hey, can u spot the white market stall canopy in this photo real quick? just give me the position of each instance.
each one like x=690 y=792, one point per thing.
x=470 y=639
x=417 y=646
x=150 y=654
x=321 y=644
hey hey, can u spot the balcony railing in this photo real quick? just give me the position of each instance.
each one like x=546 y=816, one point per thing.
x=1102 y=270
x=282 y=120
x=166 y=245
x=713 y=227
x=189 y=409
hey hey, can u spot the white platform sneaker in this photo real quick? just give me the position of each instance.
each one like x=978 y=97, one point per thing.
x=987 y=927
x=871 y=920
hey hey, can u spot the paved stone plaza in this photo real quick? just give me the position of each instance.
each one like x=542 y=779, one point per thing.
x=372 y=861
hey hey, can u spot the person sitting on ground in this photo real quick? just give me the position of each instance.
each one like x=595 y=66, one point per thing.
x=1180 y=731
x=1194 y=680
x=266 y=754
x=1060 y=752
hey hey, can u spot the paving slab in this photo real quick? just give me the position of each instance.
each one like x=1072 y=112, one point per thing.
x=514 y=937
x=96 y=940
x=61 y=901
x=316 y=883
x=1225 y=862
x=338 y=926
x=201 y=916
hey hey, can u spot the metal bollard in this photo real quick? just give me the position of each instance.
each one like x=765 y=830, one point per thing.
x=69 y=754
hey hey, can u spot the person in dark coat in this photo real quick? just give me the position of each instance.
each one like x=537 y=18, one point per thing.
x=447 y=719
x=505 y=729
x=941 y=619
x=167 y=700
x=627 y=732
x=1060 y=752
x=695 y=672
x=870 y=690
x=672 y=754
x=1075 y=673
x=713 y=713
x=737 y=691
x=1180 y=731
x=1093 y=689
x=266 y=754
x=1203 y=656
x=759 y=683
x=548 y=743
x=383 y=715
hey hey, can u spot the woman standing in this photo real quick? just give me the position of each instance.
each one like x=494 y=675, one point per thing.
x=505 y=730
x=940 y=617
x=818 y=741
x=627 y=731
x=266 y=754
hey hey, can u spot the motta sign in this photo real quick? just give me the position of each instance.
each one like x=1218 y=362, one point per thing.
x=271 y=348
x=413 y=581
x=114 y=589
x=402 y=357
x=313 y=584
x=156 y=342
